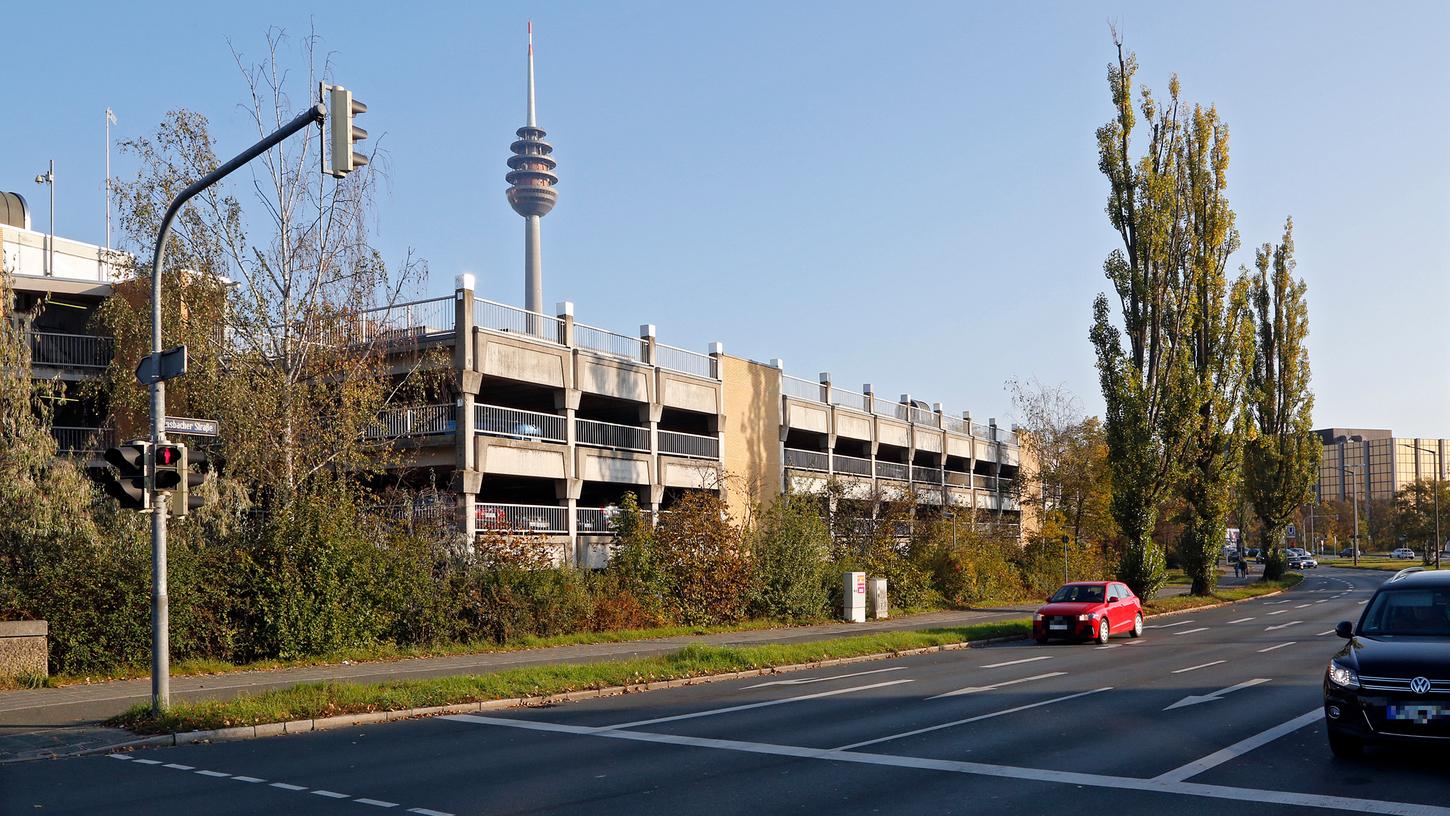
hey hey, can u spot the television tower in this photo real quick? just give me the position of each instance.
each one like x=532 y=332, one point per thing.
x=531 y=192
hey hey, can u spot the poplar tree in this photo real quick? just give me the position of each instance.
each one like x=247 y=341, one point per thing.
x=1282 y=454
x=1146 y=366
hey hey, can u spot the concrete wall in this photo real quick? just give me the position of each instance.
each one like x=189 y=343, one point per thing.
x=24 y=648
x=752 y=423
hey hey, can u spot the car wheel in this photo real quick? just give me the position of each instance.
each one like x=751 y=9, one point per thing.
x=1137 y=630
x=1103 y=633
x=1345 y=746
x=1042 y=641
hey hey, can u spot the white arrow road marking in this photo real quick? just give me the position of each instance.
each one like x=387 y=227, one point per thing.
x=747 y=706
x=1280 y=646
x=1168 y=625
x=1280 y=626
x=1194 y=699
x=1199 y=666
x=1015 y=662
x=1191 y=631
x=1241 y=620
x=977 y=718
x=804 y=680
x=975 y=689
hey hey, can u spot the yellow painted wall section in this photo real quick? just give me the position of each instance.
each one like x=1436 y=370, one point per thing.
x=752 y=433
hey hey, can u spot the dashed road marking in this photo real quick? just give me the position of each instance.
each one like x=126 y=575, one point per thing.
x=1280 y=626
x=148 y=762
x=1199 y=666
x=179 y=767
x=748 y=706
x=1278 y=611
x=427 y=812
x=1242 y=620
x=118 y=756
x=214 y=774
x=806 y=680
x=1168 y=625
x=1302 y=606
x=330 y=794
x=1015 y=662
x=289 y=786
x=1191 y=631
x=253 y=779
x=1326 y=632
x=1280 y=646
x=375 y=802
x=975 y=689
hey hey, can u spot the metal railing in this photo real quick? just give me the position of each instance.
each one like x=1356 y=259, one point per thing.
x=1005 y=435
x=800 y=388
x=495 y=420
x=926 y=475
x=921 y=416
x=415 y=420
x=697 y=446
x=955 y=424
x=853 y=465
x=417 y=320
x=500 y=317
x=981 y=431
x=70 y=350
x=892 y=470
x=958 y=478
x=73 y=439
x=609 y=435
x=848 y=399
x=619 y=345
x=890 y=409
x=806 y=460
x=685 y=362
x=594 y=520
x=521 y=518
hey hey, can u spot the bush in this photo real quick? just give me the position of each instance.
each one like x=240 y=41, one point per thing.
x=791 y=547
x=701 y=556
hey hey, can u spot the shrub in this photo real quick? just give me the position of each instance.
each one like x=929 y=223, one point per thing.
x=791 y=549
x=701 y=556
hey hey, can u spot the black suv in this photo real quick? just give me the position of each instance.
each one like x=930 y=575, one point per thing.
x=1391 y=682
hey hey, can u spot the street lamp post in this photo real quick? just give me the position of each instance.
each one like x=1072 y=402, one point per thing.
x=1354 y=540
x=1435 y=492
x=48 y=179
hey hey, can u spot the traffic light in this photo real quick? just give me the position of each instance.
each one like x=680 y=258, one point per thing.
x=129 y=484
x=168 y=462
x=195 y=471
x=345 y=135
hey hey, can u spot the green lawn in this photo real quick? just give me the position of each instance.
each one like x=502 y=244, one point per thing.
x=1178 y=602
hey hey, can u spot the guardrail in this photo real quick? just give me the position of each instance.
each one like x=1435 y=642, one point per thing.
x=853 y=465
x=697 y=446
x=848 y=399
x=501 y=317
x=958 y=478
x=74 y=439
x=417 y=420
x=416 y=320
x=800 y=388
x=891 y=409
x=521 y=518
x=926 y=475
x=70 y=350
x=981 y=431
x=892 y=470
x=512 y=423
x=594 y=520
x=955 y=424
x=610 y=435
x=685 y=361
x=806 y=460
x=619 y=345
x=922 y=416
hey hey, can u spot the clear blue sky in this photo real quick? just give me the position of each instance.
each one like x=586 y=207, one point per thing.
x=906 y=196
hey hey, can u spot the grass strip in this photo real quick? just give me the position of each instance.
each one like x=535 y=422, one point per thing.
x=1176 y=603
x=316 y=700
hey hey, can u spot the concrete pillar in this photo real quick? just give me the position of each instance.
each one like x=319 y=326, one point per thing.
x=647 y=342
x=996 y=466
x=468 y=382
x=717 y=350
x=825 y=379
x=564 y=310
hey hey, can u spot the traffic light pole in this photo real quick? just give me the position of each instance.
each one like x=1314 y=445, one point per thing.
x=160 y=615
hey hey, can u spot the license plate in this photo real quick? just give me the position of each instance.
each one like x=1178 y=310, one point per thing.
x=1057 y=626
x=1417 y=713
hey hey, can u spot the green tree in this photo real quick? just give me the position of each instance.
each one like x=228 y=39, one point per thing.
x=1146 y=366
x=791 y=547
x=1415 y=514
x=1064 y=467
x=1221 y=344
x=1282 y=453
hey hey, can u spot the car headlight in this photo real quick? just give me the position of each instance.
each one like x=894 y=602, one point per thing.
x=1036 y=617
x=1086 y=617
x=1342 y=676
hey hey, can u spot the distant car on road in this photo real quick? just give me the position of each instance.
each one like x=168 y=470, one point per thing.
x=1089 y=610
x=1391 y=681
x=1347 y=552
x=1403 y=552
x=1302 y=562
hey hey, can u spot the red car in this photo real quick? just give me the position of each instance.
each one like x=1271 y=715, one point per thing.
x=1089 y=610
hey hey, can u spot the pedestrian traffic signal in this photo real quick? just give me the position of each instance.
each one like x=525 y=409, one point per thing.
x=345 y=134
x=168 y=463
x=195 y=469
x=128 y=484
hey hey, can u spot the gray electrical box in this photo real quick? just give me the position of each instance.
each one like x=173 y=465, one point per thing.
x=876 y=598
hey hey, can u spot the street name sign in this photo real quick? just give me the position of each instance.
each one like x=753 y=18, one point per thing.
x=192 y=427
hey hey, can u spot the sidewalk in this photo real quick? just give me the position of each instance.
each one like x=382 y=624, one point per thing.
x=40 y=723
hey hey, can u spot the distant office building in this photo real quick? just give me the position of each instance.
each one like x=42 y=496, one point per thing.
x=1383 y=463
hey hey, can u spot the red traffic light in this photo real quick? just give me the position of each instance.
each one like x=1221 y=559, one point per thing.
x=168 y=456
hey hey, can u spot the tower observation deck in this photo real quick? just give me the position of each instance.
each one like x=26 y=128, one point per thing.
x=531 y=191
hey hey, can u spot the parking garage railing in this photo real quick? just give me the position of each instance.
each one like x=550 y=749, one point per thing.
x=513 y=423
x=414 y=420
x=598 y=434
x=697 y=446
x=521 y=518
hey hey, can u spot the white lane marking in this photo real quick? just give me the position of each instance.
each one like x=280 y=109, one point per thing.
x=1100 y=648
x=118 y=756
x=330 y=794
x=1361 y=603
x=214 y=774
x=747 y=706
x=1168 y=625
x=1322 y=600
x=179 y=767
x=1280 y=626
x=1240 y=748
x=805 y=680
x=1015 y=662
x=1326 y=632
x=148 y=761
x=1133 y=643
x=977 y=718
x=375 y=802
x=1278 y=611
x=1195 y=699
x=975 y=689
x=1302 y=606
x=1181 y=788
x=427 y=812
x=287 y=786
x=1191 y=631
x=1199 y=666
x=1242 y=620
x=1280 y=646
x=1272 y=603
x=252 y=779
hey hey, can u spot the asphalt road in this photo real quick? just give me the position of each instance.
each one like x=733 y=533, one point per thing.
x=1210 y=712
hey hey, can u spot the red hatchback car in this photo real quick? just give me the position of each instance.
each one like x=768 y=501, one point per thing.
x=1089 y=610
